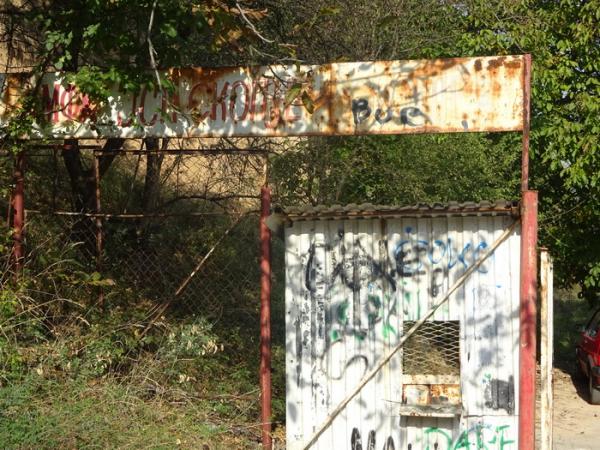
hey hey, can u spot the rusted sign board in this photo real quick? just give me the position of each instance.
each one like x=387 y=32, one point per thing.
x=395 y=97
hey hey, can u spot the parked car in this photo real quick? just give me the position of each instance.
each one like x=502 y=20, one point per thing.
x=588 y=356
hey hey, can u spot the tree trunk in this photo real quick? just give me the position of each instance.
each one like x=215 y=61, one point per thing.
x=154 y=161
x=83 y=189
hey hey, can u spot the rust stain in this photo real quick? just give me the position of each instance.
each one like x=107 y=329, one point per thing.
x=330 y=125
x=478 y=65
x=386 y=96
x=445 y=393
x=514 y=64
x=495 y=63
x=205 y=76
x=449 y=62
x=496 y=89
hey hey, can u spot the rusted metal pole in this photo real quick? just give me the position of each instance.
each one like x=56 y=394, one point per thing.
x=265 y=318
x=526 y=121
x=98 y=223
x=528 y=293
x=18 y=209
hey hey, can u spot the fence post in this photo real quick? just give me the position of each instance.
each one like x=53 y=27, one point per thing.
x=18 y=208
x=547 y=337
x=265 y=318
x=98 y=224
x=528 y=295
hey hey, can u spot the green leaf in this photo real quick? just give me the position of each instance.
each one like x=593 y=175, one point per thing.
x=91 y=30
x=169 y=30
x=387 y=21
x=308 y=102
x=329 y=11
x=292 y=93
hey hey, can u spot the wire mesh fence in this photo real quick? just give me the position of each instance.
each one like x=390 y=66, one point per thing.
x=140 y=222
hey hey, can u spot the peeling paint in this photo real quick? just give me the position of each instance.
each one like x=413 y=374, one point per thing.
x=380 y=97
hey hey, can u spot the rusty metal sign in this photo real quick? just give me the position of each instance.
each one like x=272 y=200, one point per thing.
x=394 y=97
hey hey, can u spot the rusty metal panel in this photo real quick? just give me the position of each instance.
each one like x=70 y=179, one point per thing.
x=379 y=97
x=350 y=287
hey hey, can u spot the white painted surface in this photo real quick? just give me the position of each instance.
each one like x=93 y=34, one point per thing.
x=349 y=290
x=546 y=349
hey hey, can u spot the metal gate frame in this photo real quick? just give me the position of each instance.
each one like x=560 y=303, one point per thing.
x=528 y=281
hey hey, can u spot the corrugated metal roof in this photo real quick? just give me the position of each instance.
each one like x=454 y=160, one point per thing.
x=368 y=210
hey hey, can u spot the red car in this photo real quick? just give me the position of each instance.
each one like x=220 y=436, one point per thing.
x=588 y=356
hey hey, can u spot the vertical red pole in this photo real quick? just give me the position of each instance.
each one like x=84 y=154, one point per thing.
x=265 y=318
x=526 y=121
x=529 y=229
x=528 y=289
x=18 y=207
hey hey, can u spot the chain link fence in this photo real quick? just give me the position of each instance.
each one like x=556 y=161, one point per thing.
x=143 y=225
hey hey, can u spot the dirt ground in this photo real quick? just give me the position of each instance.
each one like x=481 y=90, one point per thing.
x=576 y=422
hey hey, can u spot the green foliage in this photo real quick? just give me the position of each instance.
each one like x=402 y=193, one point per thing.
x=570 y=313
x=564 y=40
x=41 y=413
x=321 y=31
x=397 y=170
x=56 y=337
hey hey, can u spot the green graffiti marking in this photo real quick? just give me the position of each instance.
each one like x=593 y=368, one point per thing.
x=335 y=336
x=342 y=312
x=388 y=329
x=497 y=442
x=437 y=431
x=374 y=309
x=407 y=308
x=378 y=310
x=462 y=441
x=360 y=336
x=500 y=434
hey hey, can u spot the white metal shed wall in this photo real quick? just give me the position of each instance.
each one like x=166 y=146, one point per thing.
x=350 y=284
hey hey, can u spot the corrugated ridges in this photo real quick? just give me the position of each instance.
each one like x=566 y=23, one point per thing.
x=369 y=210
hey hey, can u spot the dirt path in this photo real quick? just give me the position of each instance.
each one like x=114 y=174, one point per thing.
x=576 y=422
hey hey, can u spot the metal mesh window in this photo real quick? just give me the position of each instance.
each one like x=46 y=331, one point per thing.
x=433 y=349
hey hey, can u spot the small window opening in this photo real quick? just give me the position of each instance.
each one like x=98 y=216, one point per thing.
x=433 y=349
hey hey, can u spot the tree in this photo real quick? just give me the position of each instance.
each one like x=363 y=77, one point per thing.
x=100 y=44
x=322 y=31
x=396 y=170
x=564 y=39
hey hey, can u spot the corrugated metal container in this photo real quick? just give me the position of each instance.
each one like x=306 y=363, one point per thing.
x=354 y=284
